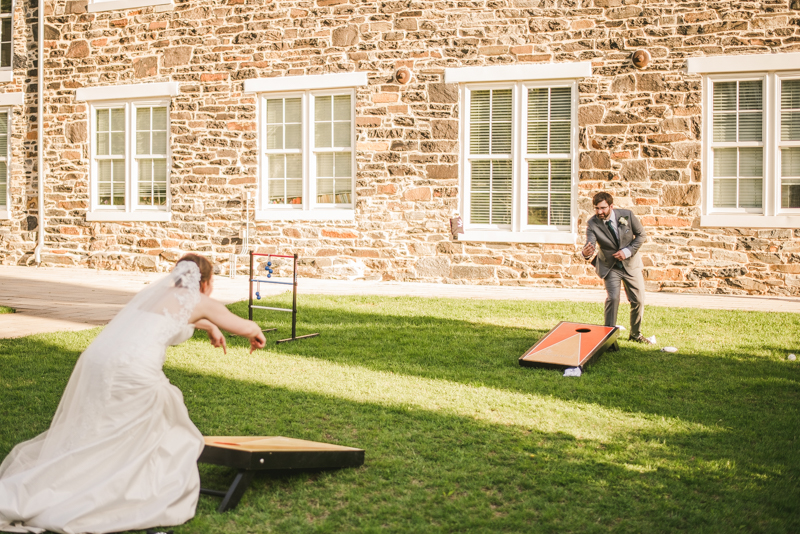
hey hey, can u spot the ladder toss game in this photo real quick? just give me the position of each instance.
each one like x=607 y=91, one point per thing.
x=293 y=310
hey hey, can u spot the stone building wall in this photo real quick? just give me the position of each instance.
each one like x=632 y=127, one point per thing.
x=639 y=132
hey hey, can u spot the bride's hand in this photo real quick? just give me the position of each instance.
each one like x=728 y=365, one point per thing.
x=257 y=342
x=217 y=338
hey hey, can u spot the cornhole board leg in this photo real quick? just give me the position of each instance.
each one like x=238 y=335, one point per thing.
x=235 y=492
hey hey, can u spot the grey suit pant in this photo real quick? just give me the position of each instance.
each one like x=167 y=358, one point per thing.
x=634 y=289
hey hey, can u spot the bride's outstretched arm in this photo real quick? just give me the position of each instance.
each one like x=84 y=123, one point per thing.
x=214 y=335
x=219 y=316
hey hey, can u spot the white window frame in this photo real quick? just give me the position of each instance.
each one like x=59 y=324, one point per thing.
x=309 y=209
x=7 y=73
x=772 y=69
x=96 y=6
x=5 y=207
x=132 y=210
x=128 y=94
x=520 y=78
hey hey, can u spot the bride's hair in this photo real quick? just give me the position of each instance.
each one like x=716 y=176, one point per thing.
x=206 y=269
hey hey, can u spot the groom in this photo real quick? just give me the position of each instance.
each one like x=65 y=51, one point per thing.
x=617 y=234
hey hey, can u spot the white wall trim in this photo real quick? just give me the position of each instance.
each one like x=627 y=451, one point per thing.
x=5 y=214
x=115 y=5
x=750 y=221
x=509 y=73
x=7 y=75
x=12 y=99
x=744 y=63
x=128 y=216
x=490 y=236
x=129 y=91
x=305 y=83
x=306 y=215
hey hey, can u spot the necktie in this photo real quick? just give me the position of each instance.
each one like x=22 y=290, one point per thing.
x=611 y=229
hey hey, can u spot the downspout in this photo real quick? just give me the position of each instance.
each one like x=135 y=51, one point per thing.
x=40 y=132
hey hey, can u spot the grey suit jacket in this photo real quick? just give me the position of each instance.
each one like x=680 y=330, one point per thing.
x=631 y=236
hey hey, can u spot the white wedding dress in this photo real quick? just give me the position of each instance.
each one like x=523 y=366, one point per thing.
x=121 y=452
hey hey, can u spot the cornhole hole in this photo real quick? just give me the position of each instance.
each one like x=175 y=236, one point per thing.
x=570 y=345
x=249 y=454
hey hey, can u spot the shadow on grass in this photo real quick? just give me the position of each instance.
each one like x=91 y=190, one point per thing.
x=435 y=472
x=726 y=360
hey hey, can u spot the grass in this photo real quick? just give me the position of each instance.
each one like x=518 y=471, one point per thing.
x=6 y=309
x=459 y=438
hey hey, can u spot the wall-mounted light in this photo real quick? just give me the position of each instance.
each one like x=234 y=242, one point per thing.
x=640 y=59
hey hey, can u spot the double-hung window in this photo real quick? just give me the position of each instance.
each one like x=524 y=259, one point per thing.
x=307 y=146
x=519 y=152
x=5 y=161
x=130 y=154
x=6 y=39
x=751 y=156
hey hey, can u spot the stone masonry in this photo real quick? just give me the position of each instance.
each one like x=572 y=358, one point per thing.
x=639 y=132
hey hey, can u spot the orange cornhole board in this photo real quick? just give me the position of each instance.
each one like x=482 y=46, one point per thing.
x=570 y=345
x=250 y=454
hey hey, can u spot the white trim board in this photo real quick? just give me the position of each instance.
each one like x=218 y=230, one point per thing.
x=744 y=63
x=7 y=75
x=305 y=83
x=513 y=73
x=127 y=92
x=12 y=99
x=115 y=5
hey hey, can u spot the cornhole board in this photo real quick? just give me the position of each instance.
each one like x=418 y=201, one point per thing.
x=570 y=345
x=249 y=454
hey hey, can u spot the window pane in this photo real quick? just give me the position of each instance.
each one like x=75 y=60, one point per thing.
x=490 y=199
x=725 y=162
x=344 y=165
x=750 y=95
x=3 y=136
x=559 y=138
x=274 y=111
x=118 y=177
x=5 y=47
x=322 y=135
x=750 y=127
x=143 y=142
x=277 y=191
x=341 y=108
x=294 y=166
x=725 y=193
x=549 y=192
x=118 y=120
x=341 y=134
x=561 y=104
x=322 y=108
x=274 y=137
x=324 y=165
x=790 y=194
x=159 y=118
x=293 y=110
x=294 y=191
x=103 y=120
x=159 y=143
x=750 y=193
x=790 y=110
x=725 y=96
x=724 y=127
x=160 y=182
x=294 y=136
x=751 y=162
x=142 y=118
x=501 y=121
x=3 y=183
x=118 y=143
x=277 y=166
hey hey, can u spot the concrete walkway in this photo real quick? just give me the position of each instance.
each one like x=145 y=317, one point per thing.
x=59 y=299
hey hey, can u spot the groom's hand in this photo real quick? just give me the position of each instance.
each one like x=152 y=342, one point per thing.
x=588 y=250
x=619 y=255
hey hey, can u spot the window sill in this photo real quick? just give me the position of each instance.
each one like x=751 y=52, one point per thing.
x=5 y=215
x=6 y=75
x=750 y=221
x=129 y=216
x=115 y=5
x=306 y=215
x=490 y=236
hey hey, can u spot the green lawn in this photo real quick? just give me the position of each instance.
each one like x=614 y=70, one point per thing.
x=460 y=438
x=6 y=309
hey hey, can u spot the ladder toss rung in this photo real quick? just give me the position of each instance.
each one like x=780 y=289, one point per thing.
x=275 y=309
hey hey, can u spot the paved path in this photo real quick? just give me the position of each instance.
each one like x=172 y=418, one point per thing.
x=51 y=299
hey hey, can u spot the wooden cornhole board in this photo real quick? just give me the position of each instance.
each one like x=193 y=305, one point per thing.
x=570 y=345
x=249 y=454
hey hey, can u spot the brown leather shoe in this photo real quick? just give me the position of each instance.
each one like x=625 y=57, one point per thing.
x=639 y=338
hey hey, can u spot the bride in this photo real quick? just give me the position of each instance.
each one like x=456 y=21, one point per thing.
x=121 y=452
